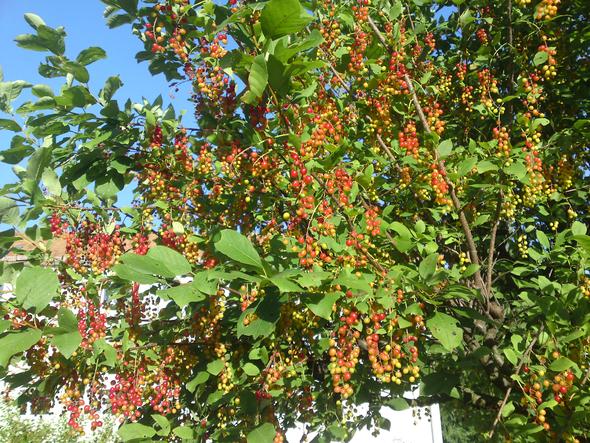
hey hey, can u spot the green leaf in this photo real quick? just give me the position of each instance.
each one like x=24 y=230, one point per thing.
x=313 y=279
x=539 y=122
x=561 y=364
x=36 y=165
x=259 y=354
x=574 y=335
x=159 y=260
x=51 y=181
x=517 y=170
x=132 y=431
x=9 y=91
x=215 y=367
x=314 y=39
x=427 y=266
x=164 y=424
x=321 y=304
x=396 y=10
x=47 y=39
x=445 y=148
x=465 y=18
x=90 y=55
x=35 y=287
x=110 y=353
x=251 y=369
x=110 y=87
x=30 y=42
x=470 y=270
x=9 y=212
x=16 y=342
x=67 y=343
x=440 y=382
x=262 y=434
x=184 y=432
x=110 y=184
x=33 y=20
x=204 y=284
x=511 y=356
x=172 y=260
x=540 y=58
x=485 y=166
x=214 y=397
x=352 y=281
x=398 y=404
x=76 y=96
x=444 y=328
x=283 y=17
x=420 y=227
x=268 y=313
x=466 y=166
x=578 y=228
x=337 y=431
x=42 y=91
x=277 y=76
x=183 y=295
x=79 y=72
x=66 y=338
x=508 y=409
x=299 y=68
x=284 y=284
x=50 y=71
x=237 y=247
x=520 y=270
x=127 y=272
x=115 y=21
x=143 y=264
x=258 y=78
x=200 y=378
x=583 y=241
x=5 y=325
x=426 y=77
x=9 y=125
x=401 y=230
x=543 y=240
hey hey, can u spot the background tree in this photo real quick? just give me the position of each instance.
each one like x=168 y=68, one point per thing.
x=376 y=198
x=18 y=428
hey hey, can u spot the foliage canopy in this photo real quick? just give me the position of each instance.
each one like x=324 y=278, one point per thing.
x=379 y=195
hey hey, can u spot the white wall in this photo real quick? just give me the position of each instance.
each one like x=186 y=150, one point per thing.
x=414 y=425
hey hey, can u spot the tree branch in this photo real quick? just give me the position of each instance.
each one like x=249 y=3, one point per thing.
x=492 y=250
x=456 y=203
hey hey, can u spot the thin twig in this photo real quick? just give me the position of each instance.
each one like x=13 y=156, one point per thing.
x=389 y=153
x=509 y=390
x=155 y=345
x=377 y=32
x=379 y=139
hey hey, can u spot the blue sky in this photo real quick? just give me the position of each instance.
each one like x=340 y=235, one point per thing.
x=85 y=26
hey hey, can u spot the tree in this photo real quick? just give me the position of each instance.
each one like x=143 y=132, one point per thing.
x=378 y=196
x=16 y=428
